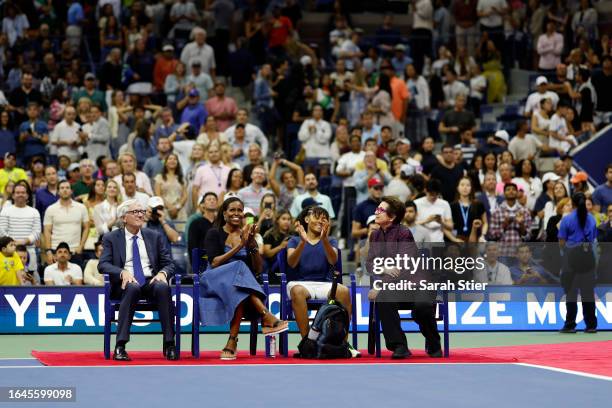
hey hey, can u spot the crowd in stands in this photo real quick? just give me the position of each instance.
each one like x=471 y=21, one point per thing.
x=183 y=104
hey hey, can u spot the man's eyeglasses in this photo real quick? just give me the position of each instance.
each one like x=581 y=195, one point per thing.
x=379 y=210
x=137 y=212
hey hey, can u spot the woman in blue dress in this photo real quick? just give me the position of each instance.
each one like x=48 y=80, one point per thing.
x=230 y=290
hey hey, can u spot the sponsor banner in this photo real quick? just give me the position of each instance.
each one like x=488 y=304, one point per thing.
x=81 y=309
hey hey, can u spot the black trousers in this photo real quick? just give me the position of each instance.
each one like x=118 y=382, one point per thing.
x=158 y=293
x=421 y=45
x=423 y=313
x=574 y=282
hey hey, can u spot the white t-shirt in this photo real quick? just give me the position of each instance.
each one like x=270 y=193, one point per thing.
x=476 y=84
x=204 y=54
x=533 y=100
x=348 y=161
x=558 y=124
x=66 y=223
x=66 y=133
x=426 y=208
x=53 y=273
x=525 y=147
x=495 y=19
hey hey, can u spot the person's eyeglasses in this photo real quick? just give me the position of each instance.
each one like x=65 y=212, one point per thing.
x=137 y=212
x=379 y=210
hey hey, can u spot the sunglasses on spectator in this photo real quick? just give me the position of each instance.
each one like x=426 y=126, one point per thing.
x=379 y=210
x=137 y=212
x=378 y=188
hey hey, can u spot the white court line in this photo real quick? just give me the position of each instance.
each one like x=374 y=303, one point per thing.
x=17 y=358
x=565 y=371
x=256 y=365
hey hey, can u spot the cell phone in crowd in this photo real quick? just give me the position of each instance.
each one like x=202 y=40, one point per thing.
x=268 y=206
x=249 y=220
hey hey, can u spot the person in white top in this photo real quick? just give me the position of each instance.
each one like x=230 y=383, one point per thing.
x=105 y=213
x=524 y=145
x=127 y=162
x=315 y=134
x=199 y=50
x=67 y=136
x=434 y=213
x=253 y=134
x=494 y=272
x=542 y=92
x=347 y=162
x=98 y=134
x=559 y=137
x=91 y=276
x=453 y=88
x=22 y=223
x=549 y=47
x=63 y=272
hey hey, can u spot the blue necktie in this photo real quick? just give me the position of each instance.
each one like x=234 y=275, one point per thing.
x=136 y=264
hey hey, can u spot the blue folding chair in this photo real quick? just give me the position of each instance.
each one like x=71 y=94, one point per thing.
x=442 y=315
x=199 y=263
x=312 y=304
x=111 y=306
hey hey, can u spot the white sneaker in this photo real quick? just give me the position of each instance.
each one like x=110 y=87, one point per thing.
x=354 y=352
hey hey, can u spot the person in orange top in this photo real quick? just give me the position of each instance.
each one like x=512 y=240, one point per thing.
x=165 y=64
x=400 y=96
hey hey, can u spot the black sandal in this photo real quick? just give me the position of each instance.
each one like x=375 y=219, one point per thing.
x=230 y=354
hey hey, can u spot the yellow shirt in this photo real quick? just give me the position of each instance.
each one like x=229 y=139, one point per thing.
x=8 y=270
x=14 y=175
x=381 y=165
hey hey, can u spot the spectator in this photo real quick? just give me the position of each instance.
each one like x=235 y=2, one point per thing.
x=10 y=171
x=315 y=135
x=20 y=97
x=200 y=226
x=13 y=271
x=155 y=164
x=67 y=136
x=167 y=128
x=510 y=222
x=252 y=194
x=47 y=195
x=559 y=137
x=322 y=200
x=235 y=182
x=175 y=83
x=105 y=213
x=310 y=255
x=91 y=276
x=506 y=171
x=212 y=176
x=402 y=172
x=63 y=272
x=524 y=145
x=33 y=134
x=467 y=146
x=601 y=81
x=90 y=91
x=130 y=189
x=527 y=272
x=494 y=272
x=86 y=181
x=478 y=86
x=98 y=134
x=418 y=106
x=276 y=239
x=127 y=162
x=466 y=30
x=346 y=164
x=165 y=64
x=434 y=213
x=380 y=105
x=193 y=111
x=469 y=215
x=528 y=179
x=198 y=50
x=549 y=47
x=456 y=119
x=8 y=136
x=419 y=232
x=366 y=208
x=66 y=221
x=454 y=88
x=252 y=133
x=602 y=196
x=491 y=14
x=170 y=185
x=422 y=32
x=585 y=100
x=448 y=172
x=534 y=100
x=370 y=170
x=400 y=97
x=221 y=107
x=156 y=220
x=291 y=182
x=263 y=96
x=341 y=144
x=21 y=222
x=201 y=80
x=111 y=71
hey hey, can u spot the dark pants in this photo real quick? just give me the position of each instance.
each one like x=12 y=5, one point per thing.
x=584 y=283
x=158 y=293
x=420 y=45
x=423 y=313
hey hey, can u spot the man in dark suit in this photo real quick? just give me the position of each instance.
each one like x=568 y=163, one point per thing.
x=139 y=266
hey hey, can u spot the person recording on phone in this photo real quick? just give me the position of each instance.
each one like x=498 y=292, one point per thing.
x=510 y=222
x=156 y=220
x=433 y=212
x=267 y=213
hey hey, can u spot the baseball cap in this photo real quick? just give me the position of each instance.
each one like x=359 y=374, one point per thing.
x=248 y=210
x=404 y=141
x=73 y=167
x=400 y=47
x=305 y=60
x=155 y=202
x=541 y=80
x=9 y=154
x=375 y=181
x=503 y=135
x=407 y=170
x=309 y=202
x=550 y=176
x=579 y=177
x=62 y=245
x=90 y=75
x=168 y=47
x=194 y=92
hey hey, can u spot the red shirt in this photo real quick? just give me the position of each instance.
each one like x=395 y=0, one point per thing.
x=281 y=28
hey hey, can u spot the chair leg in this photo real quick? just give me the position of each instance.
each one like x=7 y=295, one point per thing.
x=377 y=331
x=371 y=340
x=444 y=309
x=253 y=338
x=107 y=337
x=354 y=314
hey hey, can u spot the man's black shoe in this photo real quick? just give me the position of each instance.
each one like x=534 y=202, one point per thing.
x=591 y=330
x=171 y=353
x=401 y=352
x=120 y=354
x=435 y=354
x=567 y=330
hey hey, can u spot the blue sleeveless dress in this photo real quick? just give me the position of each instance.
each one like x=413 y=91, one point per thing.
x=224 y=288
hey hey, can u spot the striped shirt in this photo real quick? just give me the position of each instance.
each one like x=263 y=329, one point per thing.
x=20 y=223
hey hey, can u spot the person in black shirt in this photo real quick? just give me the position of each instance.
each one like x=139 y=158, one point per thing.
x=448 y=172
x=428 y=158
x=455 y=120
x=200 y=226
x=22 y=96
x=603 y=83
x=275 y=240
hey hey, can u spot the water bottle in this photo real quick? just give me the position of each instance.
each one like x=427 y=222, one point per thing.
x=273 y=346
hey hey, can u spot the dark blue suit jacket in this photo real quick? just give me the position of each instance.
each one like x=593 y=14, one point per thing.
x=113 y=256
x=482 y=197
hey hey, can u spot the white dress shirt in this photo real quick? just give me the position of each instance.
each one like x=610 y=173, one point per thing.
x=129 y=257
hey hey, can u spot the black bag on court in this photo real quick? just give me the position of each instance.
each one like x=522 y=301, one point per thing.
x=326 y=338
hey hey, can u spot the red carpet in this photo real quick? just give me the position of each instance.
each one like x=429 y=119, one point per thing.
x=588 y=357
x=94 y=358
